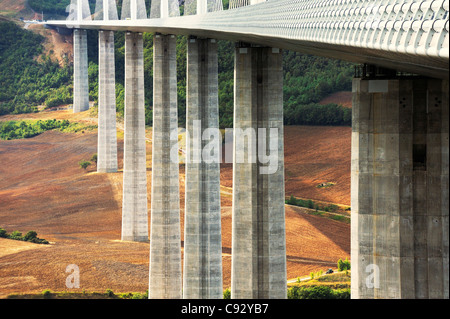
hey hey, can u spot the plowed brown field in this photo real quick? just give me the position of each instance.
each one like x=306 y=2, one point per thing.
x=42 y=188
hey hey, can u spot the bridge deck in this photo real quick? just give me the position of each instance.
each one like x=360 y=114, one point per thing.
x=410 y=37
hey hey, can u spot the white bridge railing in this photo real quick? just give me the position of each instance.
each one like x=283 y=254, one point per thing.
x=410 y=32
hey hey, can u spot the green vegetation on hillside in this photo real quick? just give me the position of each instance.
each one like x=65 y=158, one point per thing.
x=317 y=292
x=10 y=130
x=25 y=82
x=49 y=6
x=30 y=236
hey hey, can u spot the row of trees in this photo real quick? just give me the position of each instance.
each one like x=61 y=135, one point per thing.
x=30 y=236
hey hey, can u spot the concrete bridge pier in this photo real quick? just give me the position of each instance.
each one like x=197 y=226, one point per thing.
x=165 y=234
x=134 y=207
x=80 y=71
x=258 y=226
x=203 y=240
x=107 y=134
x=399 y=192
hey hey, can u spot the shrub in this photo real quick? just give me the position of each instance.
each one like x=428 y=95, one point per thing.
x=84 y=164
x=30 y=236
x=342 y=293
x=16 y=235
x=343 y=264
x=316 y=292
x=227 y=294
x=3 y=233
x=109 y=293
x=94 y=158
x=47 y=293
x=39 y=241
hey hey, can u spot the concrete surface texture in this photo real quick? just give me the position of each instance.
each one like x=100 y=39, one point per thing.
x=80 y=71
x=202 y=277
x=107 y=133
x=134 y=206
x=399 y=200
x=165 y=234
x=258 y=226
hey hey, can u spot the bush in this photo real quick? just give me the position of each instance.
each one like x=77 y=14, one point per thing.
x=16 y=235
x=30 y=236
x=317 y=292
x=227 y=294
x=84 y=164
x=3 y=233
x=342 y=293
x=343 y=264
x=300 y=202
x=109 y=293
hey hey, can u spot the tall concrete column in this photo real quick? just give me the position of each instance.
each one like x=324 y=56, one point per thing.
x=134 y=207
x=399 y=191
x=165 y=234
x=202 y=277
x=258 y=226
x=107 y=134
x=80 y=71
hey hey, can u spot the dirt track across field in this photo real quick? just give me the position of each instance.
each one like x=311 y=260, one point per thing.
x=42 y=188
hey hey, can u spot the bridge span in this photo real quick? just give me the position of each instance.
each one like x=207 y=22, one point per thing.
x=400 y=146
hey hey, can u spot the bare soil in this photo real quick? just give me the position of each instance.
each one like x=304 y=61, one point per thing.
x=56 y=45
x=42 y=188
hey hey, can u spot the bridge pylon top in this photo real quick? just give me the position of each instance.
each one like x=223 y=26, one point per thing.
x=79 y=11
x=164 y=9
x=133 y=10
x=105 y=10
x=192 y=7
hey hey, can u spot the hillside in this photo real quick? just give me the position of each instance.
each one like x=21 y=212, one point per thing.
x=42 y=188
x=16 y=9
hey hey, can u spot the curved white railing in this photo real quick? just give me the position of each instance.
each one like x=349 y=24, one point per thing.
x=410 y=32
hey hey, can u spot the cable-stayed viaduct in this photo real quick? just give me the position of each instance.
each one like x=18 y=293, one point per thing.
x=399 y=170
